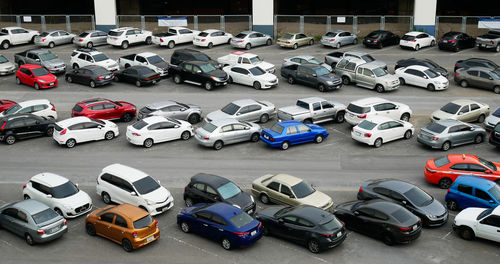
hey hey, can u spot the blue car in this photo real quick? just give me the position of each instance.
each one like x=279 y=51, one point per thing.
x=470 y=191
x=221 y=222
x=287 y=133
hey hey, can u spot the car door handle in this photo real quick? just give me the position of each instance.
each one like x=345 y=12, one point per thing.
x=109 y=227
x=220 y=229
x=205 y=225
x=498 y=230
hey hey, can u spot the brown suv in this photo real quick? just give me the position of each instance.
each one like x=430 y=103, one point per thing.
x=125 y=224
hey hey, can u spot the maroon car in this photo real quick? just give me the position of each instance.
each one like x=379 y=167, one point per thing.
x=101 y=108
x=6 y=104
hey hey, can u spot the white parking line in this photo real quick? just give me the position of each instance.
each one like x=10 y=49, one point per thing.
x=9 y=244
x=386 y=49
x=444 y=237
x=300 y=251
x=196 y=247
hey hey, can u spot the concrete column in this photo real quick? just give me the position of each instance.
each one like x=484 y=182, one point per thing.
x=424 y=13
x=262 y=16
x=105 y=14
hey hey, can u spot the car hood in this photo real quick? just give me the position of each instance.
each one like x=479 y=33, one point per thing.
x=47 y=78
x=218 y=114
x=264 y=65
x=54 y=62
x=161 y=64
x=242 y=200
x=329 y=77
x=389 y=77
x=218 y=73
x=434 y=208
x=7 y=65
x=159 y=195
x=443 y=115
x=469 y=214
x=76 y=200
x=316 y=199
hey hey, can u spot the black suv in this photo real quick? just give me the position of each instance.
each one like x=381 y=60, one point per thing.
x=199 y=73
x=421 y=62
x=182 y=55
x=311 y=75
x=495 y=136
x=208 y=188
x=20 y=126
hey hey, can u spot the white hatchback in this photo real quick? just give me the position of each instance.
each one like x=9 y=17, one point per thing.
x=211 y=37
x=366 y=108
x=417 y=40
x=59 y=194
x=80 y=129
x=122 y=184
x=248 y=74
x=378 y=130
x=41 y=107
x=157 y=129
x=422 y=76
x=478 y=222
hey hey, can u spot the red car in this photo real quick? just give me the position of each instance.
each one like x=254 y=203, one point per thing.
x=101 y=108
x=444 y=170
x=36 y=76
x=6 y=104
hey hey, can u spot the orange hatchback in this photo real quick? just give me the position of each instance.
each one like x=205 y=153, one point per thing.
x=125 y=224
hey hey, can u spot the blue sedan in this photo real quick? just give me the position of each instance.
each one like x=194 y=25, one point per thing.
x=222 y=222
x=287 y=133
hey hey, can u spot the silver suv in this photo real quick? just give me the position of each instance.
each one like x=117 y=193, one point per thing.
x=371 y=75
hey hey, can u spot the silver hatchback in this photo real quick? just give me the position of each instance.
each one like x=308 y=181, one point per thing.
x=222 y=132
x=172 y=109
x=91 y=38
x=444 y=134
x=54 y=37
x=245 y=110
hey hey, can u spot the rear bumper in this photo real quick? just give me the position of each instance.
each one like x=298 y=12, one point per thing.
x=273 y=144
x=331 y=243
x=433 y=143
x=49 y=237
x=140 y=242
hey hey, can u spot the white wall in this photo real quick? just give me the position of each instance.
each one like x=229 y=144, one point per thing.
x=425 y=12
x=262 y=12
x=105 y=12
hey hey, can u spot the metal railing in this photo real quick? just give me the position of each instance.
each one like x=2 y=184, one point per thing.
x=467 y=24
x=70 y=23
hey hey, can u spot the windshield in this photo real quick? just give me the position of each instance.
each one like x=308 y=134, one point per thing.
x=230 y=109
x=436 y=128
x=277 y=128
x=367 y=125
x=228 y=190
x=379 y=72
x=100 y=57
x=431 y=73
x=155 y=59
x=139 y=125
x=47 y=56
x=44 y=216
x=485 y=213
x=12 y=110
x=143 y=222
x=40 y=71
x=450 y=108
x=203 y=34
x=3 y=59
x=487 y=163
x=358 y=109
x=209 y=127
x=332 y=224
x=241 y=219
x=84 y=34
x=146 y=185
x=497 y=113
x=320 y=71
x=241 y=35
x=255 y=59
x=64 y=190
x=207 y=67
x=287 y=36
x=495 y=192
x=256 y=71
x=302 y=189
x=418 y=197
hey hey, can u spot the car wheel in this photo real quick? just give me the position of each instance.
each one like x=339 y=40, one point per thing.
x=177 y=79
x=138 y=83
x=189 y=202
x=75 y=66
x=452 y=205
x=264 y=198
x=218 y=145
x=127 y=117
x=464 y=83
x=26 y=197
x=18 y=81
x=171 y=45
x=431 y=87
x=269 y=42
x=379 y=88
x=355 y=41
x=148 y=41
x=127 y=246
x=109 y=135
x=378 y=143
x=444 y=183
x=481 y=118
x=90 y=44
x=49 y=132
x=285 y=145
x=90 y=229
x=70 y=143
x=496 y=89
x=226 y=244
x=248 y=46
x=29 y=239
x=185 y=227
x=405 y=117
x=265 y=231
x=346 y=80
x=194 y=118
x=36 y=86
x=467 y=233
x=69 y=79
x=264 y=118
x=408 y=134
x=124 y=45
x=338 y=45
x=497 y=49
x=478 y=139
x=51 y=44
x=402 y=81
x=5 y=45
x=92 y=84
x=127 y=65
x=148 y=142
x=185 y=135
x=106 y=198
x=58 y=211
x=417 y=47
x=318 y=139
x=295 y=46
x=210 y=45
x=10 y=140
x=291 y=80
x=433 y=43
x=321 y=88
x=313 y=246
x=456 y=49
x=446 y=146
x=229 y=80
x=388 y=240
x=380 y=45
x=208 y=86
x=257 y=85
x=143 y=208
x=116 y=79
x=340 y=117
x=311 y=42
x=255 y=137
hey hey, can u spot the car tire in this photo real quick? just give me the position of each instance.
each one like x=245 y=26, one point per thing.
x=148 y=142
x=49 y=132
x=313 y=246
x=264 y=198
x=417 y=47
x=431 y=87
x=69 y=79
x=126 y=245
x=106 y=198
x=90 y=228
x=90 y=45
x=478 y=139
x=481 y=118
x=291 y=80
x=218 y=145
x=265 y=231
x=70 y=143
x=124 y=45
x=248 y=46
x=194 y=118
x=185 y=135
x=319 y=139
x=51 y=45
x=456 y=49
x=346 y=80
x=311 y=42
x=405 y=117
x=29 y=240
x=18 y=81
x=109 y=135
x=264 y=118
x=401 y=81
x=26 y=197
x=208 y=85
x=127 y=65
x=255 y=137
x=92 y=84
x=285 y=145
x=58 y=211
x=467 y=233
x=148 y=41
x=138 y=83
x=445 y=183
x=9 y=140
x=321 y=88
x=340 y=117
x=226 y=244
x=378 y=143
x=307 y=121
x=338 y=45
x=496 y=89
x=116 y=79
x=379 y=88
x=75 y=66
x=5 y=45
x=464 y=83
x=433 y=43
x=388 y=239
x=229 y=80
x=210 y=45
x=127 y=117
x=497 y=48
x=257 y=86
x=380 y=46
x=189 y=202
x=295 y=46
x=269 y=42
x=185 y=227
x=177 y=79
x=171 y=44
x=451 y=205
x=36 y=86
x=355 y=41
x=446 y=146
x=408 y=134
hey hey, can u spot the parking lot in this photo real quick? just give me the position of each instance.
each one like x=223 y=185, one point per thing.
x=337 y=166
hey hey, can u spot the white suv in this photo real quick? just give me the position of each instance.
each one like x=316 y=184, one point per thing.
x=83 y=57
x=59 y=194
x=122 y=184
x=41 y=107
x=125 y=36
x=478 y=222
x=366 y=108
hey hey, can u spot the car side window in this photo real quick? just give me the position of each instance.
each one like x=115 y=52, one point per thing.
x=291 y=130
x=90 y=125
x=492 y=220
x=188 y=67
x=454 y=129
x=482 y=195
x=94 y=35
x=316 y=106
x=326 y=105
x=410 y=71
x=125 y=185
x=290 y=219
x=218 y=219
x=379 y=107
x=227 y=128
x=26 y=110
x=97 y=107
x=350 y=66
x=140 y=59
x=303 y=129
x=204 y=215
x=367 y=72
x=379 y=215
x=78 y=126
x=246 y=61
x=394 y=124
x=166 y=125
x=460 y=166
x=211 y=190
x=366 y=212
x=464 y=189
x=274 y=186
x=12 y=212
x=390 y=106
x=484 y=75
x=108 y=106
x=254 y=108
x=107 y=217
x=285 y=190
x=472 y=73
x=131 y=32
x=297 y=60
x=384 y=126
x=119 y=221
x=254 y=35
x=244 y=110
x=382 y=191
x=303 y=222
x=237 y=127
x=89 y=58
x=477 y=168
x=464 y=110
x=21 y=216
x=25 y=71
x=196 y=68
x=474 y=107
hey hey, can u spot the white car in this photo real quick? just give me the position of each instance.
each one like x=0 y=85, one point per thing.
x=417 y=40
x=156 y=129
x=422 y=76
x=248 y=74
x=478 y=222
x=16 y=35
x=367 y=108
x=211 y=37
x=41 y=107
x=243 y=57
x=82 y=129
x=174 y=36
x=59 y=194
x=126 y=36
x=122 y=184
x=83 y=57
x=380 y=129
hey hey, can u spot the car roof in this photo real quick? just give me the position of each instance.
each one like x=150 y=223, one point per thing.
x=73 y=120
x=224 y=121
x=147 y=54
x=392 y=184
x=474 y=181
x=478 y=59
x=187 y=51
x=310 y=65
x=305 y=57
x=337 y=31
x=476 y=68
x=289 y=123
x=311 y=100
x=153 y=120
x=373 y=64
x=125 y=172
x=249 y=32
x=310 y=213
x=417 y=67
x=210 y=179
x=244 y=102
x=92 y=101
x=369 y=101
x=286 y=178
x=30 y=206
x=159 y=105
x=223 y=209
x=449 y=122
x=129 y=211
x=211 y=30
x=415 y=33
x=243 y=53
x=178 y=28
x=462 y=158
x=92 y=31
x=31 y=66
x=49 y=179
x=9 y=118
x=356 y=52
x=10 y=28
x=386 y=207
x=122 y=28
x=39 y=51
x=464 y=102
x=244 y=66
x=34 y=102
x=195 y=62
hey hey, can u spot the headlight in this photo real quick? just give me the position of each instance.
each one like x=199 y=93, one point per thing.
x=251 y=197
x=42 y=81
x=215 y=78
x=431 y=216
x=329 y=82
x=150 y=202
x=237 y=206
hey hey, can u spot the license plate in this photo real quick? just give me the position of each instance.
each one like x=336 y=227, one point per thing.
x=445 y=41
x=224 y=83
x=414 y=227
x=339 y=234
x=55 y=229
x=51 y=83
x=368 y=41
x=149 y=239
x=253 y=233
x=357 y=133
x=482 y=45
x=154 y=82
x=107 y=77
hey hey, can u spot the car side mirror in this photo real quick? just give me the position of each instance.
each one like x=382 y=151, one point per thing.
x=356 y=213
x=76 y=184
x=159 y=182
x=281 y=221
x=100 y=127
x=492 y=202
x=425 y=77
x=491 y=78
x=198 y=71
x=133 y=194
x=488 y=171
x=291 y=196
x=314 y=75
x=216 y=197
x=37 y=59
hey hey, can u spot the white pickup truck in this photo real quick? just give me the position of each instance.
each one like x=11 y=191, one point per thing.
x=148 y=59
x=313 y=110
x=243 y=57
x=174 y=36
x=16 y=35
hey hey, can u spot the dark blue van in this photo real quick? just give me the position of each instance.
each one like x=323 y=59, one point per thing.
x=470 y=191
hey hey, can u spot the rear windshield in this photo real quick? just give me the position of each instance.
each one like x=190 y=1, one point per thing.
x=367 y=125
x=241 y=35
x=143 y=222
x=358 y=109
x=84 y=34
x=44 y=216
x=44 y=34
x=115 y=33
x=436 y=128
x=302 y=104
x=57 y=127
x=418 y=197
x=209 y=127
x=401 y=215
x=450 y=108
x=374 y=34
x=203 y=34
x=77 y=108
x=277 y=128
x=241 y=219
x=332 y=224
x=287 y=36
x=440 y=162
x=100 y=57
x=230 y=109
x=100 y=70
x=408 y=37
x=331 y=34
x=139 y=125
x=146 y=185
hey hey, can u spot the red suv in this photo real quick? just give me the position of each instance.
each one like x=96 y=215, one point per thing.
x=36 y=76
x=6 y=104
x=101 y=108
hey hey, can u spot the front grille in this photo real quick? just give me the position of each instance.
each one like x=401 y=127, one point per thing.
x=160 y=209
x=436 y=118
x=82 y=208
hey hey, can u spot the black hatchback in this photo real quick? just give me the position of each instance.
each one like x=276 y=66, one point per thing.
x=380 y=39
x=456 y=41
x=138 y=75
x=475 y=62
x=422 y=62
x=91 y=75
x=304 y=224
x=495 y=136
x=407 y=195
x=208 y=188
x=22 y=126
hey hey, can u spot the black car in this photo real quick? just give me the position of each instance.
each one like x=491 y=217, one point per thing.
x=495 y=136
x=21 y=126
x=303 y=224
x=407 y=195
x=91 y=75
x=456 y=41
x=139 y=75
x=312 y=75
x=422 y=62
x=380 y=219
x=475 y=62
x=199 y=73
x=208 y=188
x=380 y=39
x=182 y=55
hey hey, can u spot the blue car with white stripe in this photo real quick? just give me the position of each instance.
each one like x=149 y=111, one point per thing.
x=287 y=133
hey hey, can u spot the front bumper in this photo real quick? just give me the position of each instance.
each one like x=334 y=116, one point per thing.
x=78 y=211
x=159 y=208
x=48 y=85
x=9 y=71
x=439 y=221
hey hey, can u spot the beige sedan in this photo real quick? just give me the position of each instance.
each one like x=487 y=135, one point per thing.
x=464 y=110
x=294 y=40
x=289 y=190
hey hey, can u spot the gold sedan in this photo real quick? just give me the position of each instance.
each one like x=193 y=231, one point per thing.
x=294 y=40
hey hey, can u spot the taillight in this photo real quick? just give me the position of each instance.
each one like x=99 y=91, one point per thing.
x=65 y=222
x=97 y=180
x=100 y=77
x=40 y=231
x=63 y=132
x=203 y=40
x=43 y=40
x=448 y=190
x=491 y=41
x=156 y=223
x=404 y=229
x=134 y=234
x=453 y=41
x=284 y=60
x=434 y=138
x=413 y=40
x=161 y=40
x=288 y=42
x=456 y=74
x=325 y=59
x=118 y=60
x=3 y=126
x=53 y=107
x=362 y=116
x=376 y=40
x=136 y=134
x=456 y=65
x=24 y=186
x=368 y=135
x=241 y=234
x=360 y=189
x=260 y=224
x=440 y=39
x=327 y=235
x=240 y=41
x=206 y=138
x=332 y=40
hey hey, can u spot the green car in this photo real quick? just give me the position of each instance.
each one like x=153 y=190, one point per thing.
x=294 y=40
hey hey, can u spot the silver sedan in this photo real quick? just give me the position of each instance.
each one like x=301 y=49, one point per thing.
x=301 y=59
x=54 y=37
x=338 y=38
x=245 y=110
x=444 y=134
x=250 y=39
x=222 y=132
x=172 y=109
x=91 y=38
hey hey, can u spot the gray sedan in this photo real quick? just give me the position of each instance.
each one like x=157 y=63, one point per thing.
x=249 y=39
x=339 y=38
x=91 y=38
x=448 y=133
x=245 y=110
x=479 y=77
x=33 y=220
x=301 y=59
x=222 y=132
x=54 y=37
x=172 y=109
